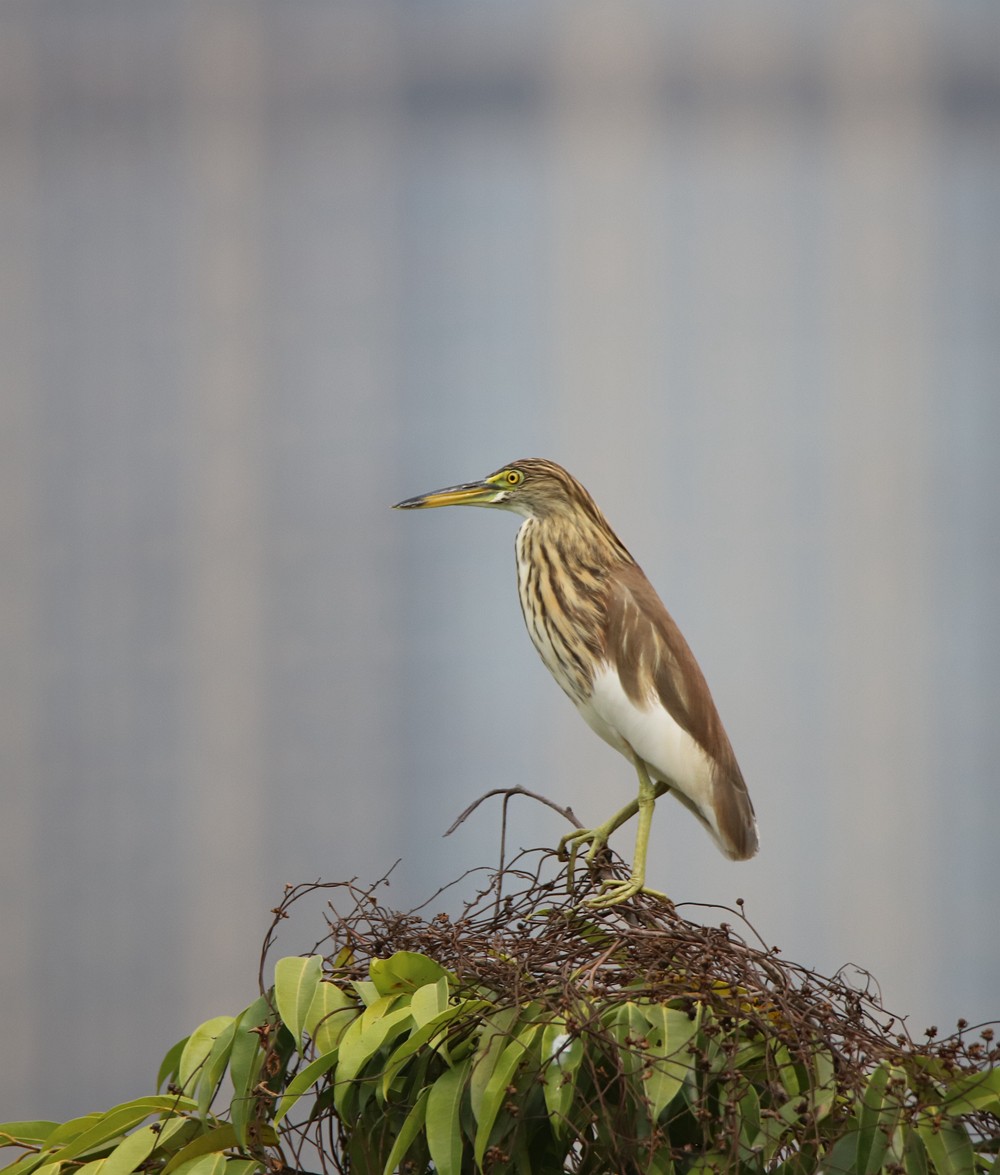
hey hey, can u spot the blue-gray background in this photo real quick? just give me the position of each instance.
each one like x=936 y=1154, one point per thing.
x=268 y=268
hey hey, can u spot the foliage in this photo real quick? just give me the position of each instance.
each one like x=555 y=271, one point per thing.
x=533 y=1035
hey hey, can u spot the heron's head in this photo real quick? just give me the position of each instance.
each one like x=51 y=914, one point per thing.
x=533 y=488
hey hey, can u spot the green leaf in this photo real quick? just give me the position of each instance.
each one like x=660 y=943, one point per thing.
x=842 y=1160
x=878 y=1116
x=329 y=1014
x=367 y=991
x=749 y=1106
x=668 y=1061
x=442 y=1126
x=869 y=1113
x=412 y=1125
x=661 y=1163
x=493 y=1036
x=94 y=1167
x=561 y=1054
x=215 y=1065
x=495 y=1092
x=424 y=1035
x=362 y=1040
x=67 y=1131
x=629 y=1027
x=197 y=1049
x=168 y=1066
x=404 y=971
x=429 y=1001
x=787 y=1071
x=303 y=1081
x=206 y=1150
x=109 y=1126
x=949 y=1147
x=85 y=1134
x=974 y=1093
x=245 y=1062
x=750 y=1055
x=25 y=1133
x=710 y=1163
x=244 y=1167
x=523 y=1154
x=133 y=1150
x=295 y=983
x=177 y=1132
x=211 y=1145
x=914 y=1153
x=26 y=1164
x=381 y=1008
x=824 y=1091
x=214 y=1164
x=774 y=1129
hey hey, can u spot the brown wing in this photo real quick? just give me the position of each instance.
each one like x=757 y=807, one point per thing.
x=653 y=660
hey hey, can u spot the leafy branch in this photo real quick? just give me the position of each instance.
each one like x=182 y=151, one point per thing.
x=532 y=1034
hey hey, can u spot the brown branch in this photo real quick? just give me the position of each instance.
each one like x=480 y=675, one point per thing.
x=507 y=792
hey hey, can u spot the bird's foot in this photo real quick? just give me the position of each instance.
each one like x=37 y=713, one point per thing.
x=613 y=891
x=572 y=842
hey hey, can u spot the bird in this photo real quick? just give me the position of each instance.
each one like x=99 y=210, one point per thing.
x=610 y=643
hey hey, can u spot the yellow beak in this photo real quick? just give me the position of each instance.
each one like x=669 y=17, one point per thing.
x=474 y=493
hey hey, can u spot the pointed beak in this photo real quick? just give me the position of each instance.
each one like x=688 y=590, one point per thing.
x=473 y=493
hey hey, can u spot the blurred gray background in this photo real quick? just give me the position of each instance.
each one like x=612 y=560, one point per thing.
x=269 y=267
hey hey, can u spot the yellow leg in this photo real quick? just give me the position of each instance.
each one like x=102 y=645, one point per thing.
x=597 y=837
x=612 y=892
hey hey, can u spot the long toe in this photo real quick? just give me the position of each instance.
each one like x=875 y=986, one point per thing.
x=613 y=892
x=572 y=842
x=569 y=847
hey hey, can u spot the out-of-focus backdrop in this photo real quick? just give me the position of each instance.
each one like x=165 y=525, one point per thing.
x=269 y=267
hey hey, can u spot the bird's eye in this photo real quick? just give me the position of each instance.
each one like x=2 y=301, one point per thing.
x=514 y=477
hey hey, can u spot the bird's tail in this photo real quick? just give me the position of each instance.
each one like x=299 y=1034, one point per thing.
x=735 y=823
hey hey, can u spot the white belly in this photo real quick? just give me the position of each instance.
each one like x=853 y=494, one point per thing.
x=668 y=751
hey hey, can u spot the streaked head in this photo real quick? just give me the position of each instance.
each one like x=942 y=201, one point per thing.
x=533 y=488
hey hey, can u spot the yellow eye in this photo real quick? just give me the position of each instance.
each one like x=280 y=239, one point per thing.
x=514 y=477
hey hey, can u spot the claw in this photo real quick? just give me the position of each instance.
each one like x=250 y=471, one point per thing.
x=597 y=838
x=612 y=892
x=571 y=843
